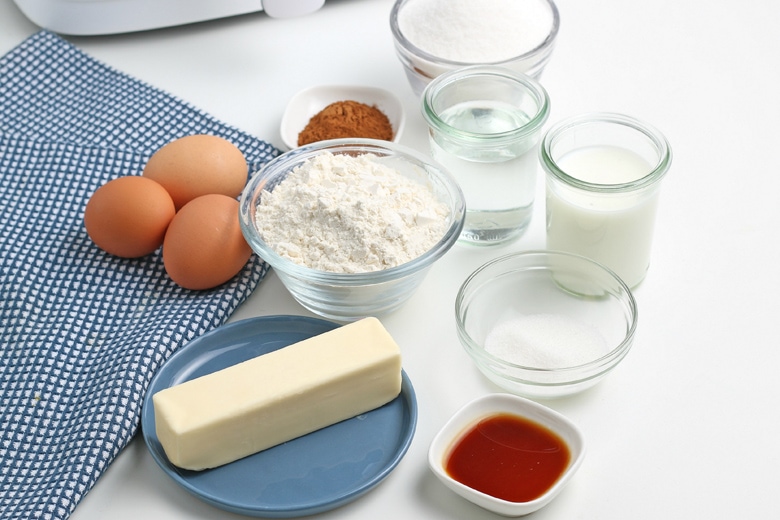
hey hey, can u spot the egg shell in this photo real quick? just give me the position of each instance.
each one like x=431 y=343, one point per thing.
x=128 y=216
x=197 y=165
x=204 y=246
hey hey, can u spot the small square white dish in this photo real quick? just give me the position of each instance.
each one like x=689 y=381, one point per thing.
x=496 y=404
x=309 y=102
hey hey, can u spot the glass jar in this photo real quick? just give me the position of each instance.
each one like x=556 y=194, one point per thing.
x=484 y=125
x=603 y=174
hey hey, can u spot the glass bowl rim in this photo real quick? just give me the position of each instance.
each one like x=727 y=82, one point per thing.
x=286 y=161
x=600 y=365
x=402 y=42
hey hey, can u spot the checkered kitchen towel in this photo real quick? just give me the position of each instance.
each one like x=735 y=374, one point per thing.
x=82 y=332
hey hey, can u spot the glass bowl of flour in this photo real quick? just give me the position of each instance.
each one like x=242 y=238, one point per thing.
x=545 y=324
x=432 y=37
x=351 y=226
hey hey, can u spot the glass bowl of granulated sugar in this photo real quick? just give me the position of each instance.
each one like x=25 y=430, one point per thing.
x=351 y=226
x=545 y=324
x=432 y=37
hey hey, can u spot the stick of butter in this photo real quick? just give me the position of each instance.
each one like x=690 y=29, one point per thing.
x=224 y=416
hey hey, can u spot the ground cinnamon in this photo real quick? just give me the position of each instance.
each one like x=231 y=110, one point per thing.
x=347 y=119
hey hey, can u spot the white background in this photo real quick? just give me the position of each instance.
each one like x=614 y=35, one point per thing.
x=686 y=427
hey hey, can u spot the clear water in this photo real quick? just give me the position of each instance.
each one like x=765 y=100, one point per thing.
x=499 y=185
x=482 y=117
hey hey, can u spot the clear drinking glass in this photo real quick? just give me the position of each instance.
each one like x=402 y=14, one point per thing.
x=484 y=127
x=603 y=184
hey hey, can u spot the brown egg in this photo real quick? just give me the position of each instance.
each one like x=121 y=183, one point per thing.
x=204 y=246
x=128 y=216
x=197 y=165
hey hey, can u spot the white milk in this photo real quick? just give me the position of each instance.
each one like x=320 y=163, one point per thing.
x=615 y=229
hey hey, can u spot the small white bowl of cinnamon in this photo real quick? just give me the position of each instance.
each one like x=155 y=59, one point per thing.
x=341 y=111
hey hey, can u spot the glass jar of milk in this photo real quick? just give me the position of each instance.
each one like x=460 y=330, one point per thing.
x=485 y=123
x=603 y=182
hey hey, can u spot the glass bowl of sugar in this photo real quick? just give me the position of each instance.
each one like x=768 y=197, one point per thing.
x=432 y=37
x=545 y=324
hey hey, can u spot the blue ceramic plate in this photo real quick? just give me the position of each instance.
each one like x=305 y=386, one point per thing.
x=308 y=475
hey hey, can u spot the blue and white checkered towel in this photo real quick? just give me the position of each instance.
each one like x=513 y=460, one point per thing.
x=82 y=332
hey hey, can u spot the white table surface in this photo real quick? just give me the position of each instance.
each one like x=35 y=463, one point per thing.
x=686 y=426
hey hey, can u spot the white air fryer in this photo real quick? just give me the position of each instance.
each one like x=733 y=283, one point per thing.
x=93 y=17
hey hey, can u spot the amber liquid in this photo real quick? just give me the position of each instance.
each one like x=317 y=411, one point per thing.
x=509 y=457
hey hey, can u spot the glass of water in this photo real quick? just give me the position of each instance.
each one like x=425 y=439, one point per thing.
x=484 y=125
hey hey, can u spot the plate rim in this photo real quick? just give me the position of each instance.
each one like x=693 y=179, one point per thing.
x=407 y=429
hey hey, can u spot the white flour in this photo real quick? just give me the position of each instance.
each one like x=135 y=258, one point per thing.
x=350 y=214
x=484 y=31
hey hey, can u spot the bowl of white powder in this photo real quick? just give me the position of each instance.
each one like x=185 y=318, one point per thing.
x=545 y=324
x=351 y=226
x=432 y=37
